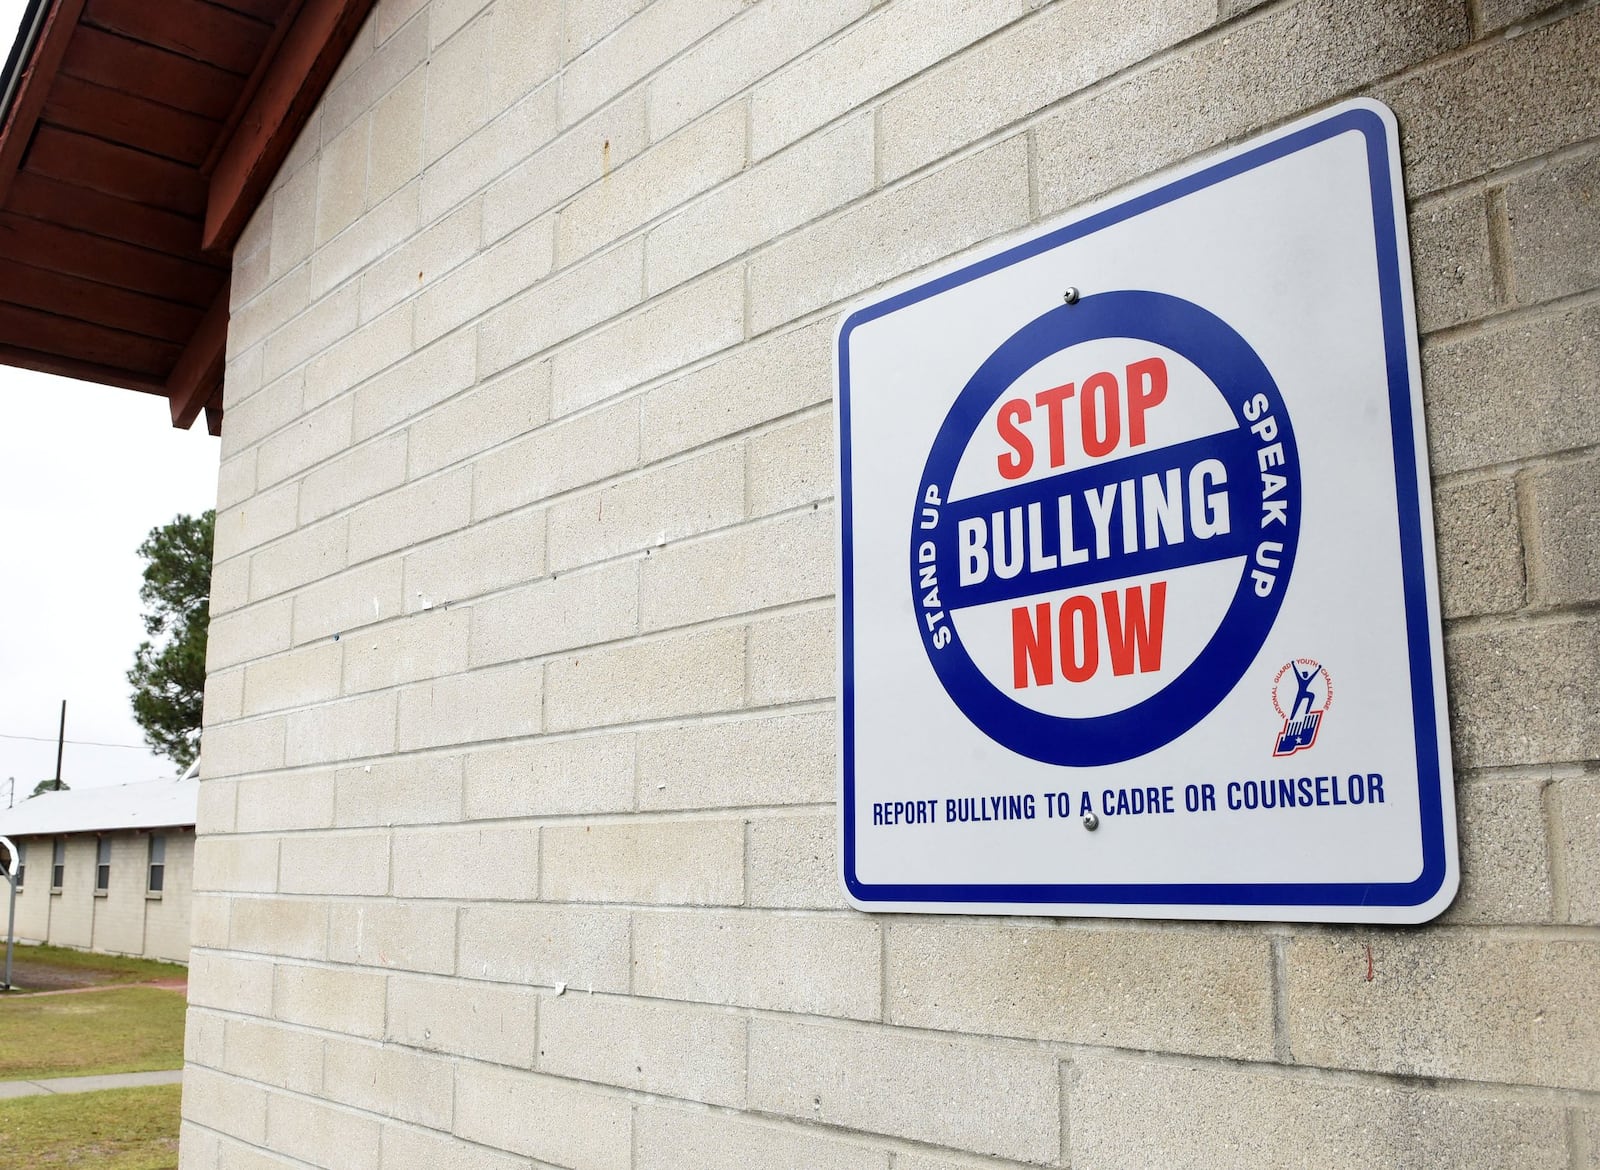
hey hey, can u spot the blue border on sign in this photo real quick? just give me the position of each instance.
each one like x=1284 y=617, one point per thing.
x=1424 y=715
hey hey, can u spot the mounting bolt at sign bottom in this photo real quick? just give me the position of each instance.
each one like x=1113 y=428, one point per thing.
x=1071 y=295
x=1091 y=822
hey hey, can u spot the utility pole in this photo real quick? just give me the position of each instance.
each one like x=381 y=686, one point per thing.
x=61 y=743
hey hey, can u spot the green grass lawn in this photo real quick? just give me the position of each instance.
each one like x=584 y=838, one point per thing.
x=128 y=1029
x=119 y=1129
x=90 y=967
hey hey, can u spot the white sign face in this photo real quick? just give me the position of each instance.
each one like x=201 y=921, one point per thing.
x=1138 y=606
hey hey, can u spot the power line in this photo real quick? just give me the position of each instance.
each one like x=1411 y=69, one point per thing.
x=79 y=742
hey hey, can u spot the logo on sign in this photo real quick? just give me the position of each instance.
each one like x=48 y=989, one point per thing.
x=1301 y=694
x=1105 y=528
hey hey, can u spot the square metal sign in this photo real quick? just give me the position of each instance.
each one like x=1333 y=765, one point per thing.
x=1138 y=606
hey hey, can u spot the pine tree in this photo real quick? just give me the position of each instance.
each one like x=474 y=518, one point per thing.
x=169 y=672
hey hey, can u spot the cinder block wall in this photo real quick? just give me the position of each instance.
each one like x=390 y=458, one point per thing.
x=522 y=668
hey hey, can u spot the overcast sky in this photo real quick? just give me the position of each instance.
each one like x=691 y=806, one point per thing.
x=85 y=473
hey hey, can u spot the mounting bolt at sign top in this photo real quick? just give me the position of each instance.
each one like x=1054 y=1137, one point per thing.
x=1091 y=822
x=1071 y=295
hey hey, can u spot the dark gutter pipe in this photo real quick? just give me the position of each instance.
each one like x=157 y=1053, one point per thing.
x=21 y=53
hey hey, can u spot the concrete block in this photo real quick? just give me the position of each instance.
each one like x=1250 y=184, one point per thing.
x=422 y=790
x=263 y=517
x=987 y=1097
x=749 y=47
x=563 y=612
x=1577 y=821
x=429 y=376
x=346 y=730
x=261 y=1050
x=373 y=234
x=749 y=568
x=792 y=465
x=921 y=1161
x=1505 y=851
x=680 y=499
x=1514 y=391
x=309 y=674
x=738 y=763
x=1423 y=1011
x=446 y=17
x=1519 y=694
x=210 y=918
x=241 y=371
x=342 y=179
x=350 y=864
x=409 y=649
x=482 y=418
x=694 y=1054
x=226 y=1104
x=389 y=1082
x=265 y=412
x=285 y=802
x=583 y=946
x=322 y=1134
x=373 y=347
x=250 y=275
x=555 y=458
x=1254 y=1118
x=635 y=48
x=251 y=322
x=897 y=42
x=814 y=177
x=551 y=777
x=576 y=1126
x=1027 y=67
x=1497 y=14
x=525 y=51
x=487 y=155
x=406 y=936
x=230 y=983
x=577 y=298
x=764 y=379
x=490 y=555
x=668 y=1138
x=292 y=223
x=360 y=597
x=693 y=863
x=424 y=509
x=810 y=964
x=668 y=174
x=424 y=257
x=230 y=585
x=691 y=674
x=313 y=437
x=793 y=658
x=1477 y=536
x=501 y=703
x=520 y=261
x=335 y=999
x=359 y=88
x=1450 y=263
x=891 y=234
x=396 y=145
x=236 y=480
x=234 y=749
x=486 y=1021
x=202 y=1035
x=582 y=155
x=303 y=556
x=289 y=927
x=1167 y=990
x=1228 y=87
x=1554 y=218
x=793 y=862
x=470 y=862
x=680 y=328
x=364 y=472
x=1512 y=99
x=417 y=1147
x=217 y=806
x=587 y=21
x=1564 y=553
x=236 y=865
x=457 y=99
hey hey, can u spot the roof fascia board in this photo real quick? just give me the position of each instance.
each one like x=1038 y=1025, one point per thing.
x=34 y=87
x=199 y=368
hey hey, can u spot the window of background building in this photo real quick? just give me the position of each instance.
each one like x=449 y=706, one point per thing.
x=58 y=864
x=102 y=867
x=158 y=864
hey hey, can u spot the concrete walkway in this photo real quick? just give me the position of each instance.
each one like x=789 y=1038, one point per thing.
x=8 y=1089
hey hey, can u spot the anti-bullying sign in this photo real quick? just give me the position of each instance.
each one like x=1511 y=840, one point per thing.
x=1138 y=605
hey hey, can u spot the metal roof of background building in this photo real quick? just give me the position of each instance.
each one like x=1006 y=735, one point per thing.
x=149 y=804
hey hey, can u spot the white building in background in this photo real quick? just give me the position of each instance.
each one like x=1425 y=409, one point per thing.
x=107 y=869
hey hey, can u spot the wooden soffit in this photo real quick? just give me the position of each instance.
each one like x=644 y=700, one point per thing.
x=139 y=137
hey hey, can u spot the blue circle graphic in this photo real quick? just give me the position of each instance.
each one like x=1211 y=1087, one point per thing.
x=1252 y=395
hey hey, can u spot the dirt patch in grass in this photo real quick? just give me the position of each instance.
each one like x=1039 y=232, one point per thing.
x=119 y=1129
x=60 y=969
x=128 y=1029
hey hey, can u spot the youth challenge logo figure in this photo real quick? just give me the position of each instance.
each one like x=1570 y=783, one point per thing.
x=1309 y=689
x=1105 y=528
